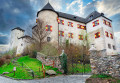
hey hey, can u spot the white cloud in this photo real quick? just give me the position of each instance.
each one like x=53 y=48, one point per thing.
x=57 y=4
x=3 y=35
x=76 y=6
x=109 y=7
x=16 y=11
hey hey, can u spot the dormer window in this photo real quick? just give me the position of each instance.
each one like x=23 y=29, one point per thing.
x=91 y=17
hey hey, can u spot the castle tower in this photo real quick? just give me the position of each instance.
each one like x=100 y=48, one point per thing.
x=16 y=33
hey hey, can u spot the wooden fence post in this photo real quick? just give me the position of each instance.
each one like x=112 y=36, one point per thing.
x=53 y=64
x=42 y=67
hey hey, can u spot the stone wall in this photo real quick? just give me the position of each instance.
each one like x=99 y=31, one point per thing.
x=101 y=63
x=49 y=60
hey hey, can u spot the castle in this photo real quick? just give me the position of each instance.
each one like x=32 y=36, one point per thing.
x=73 y=28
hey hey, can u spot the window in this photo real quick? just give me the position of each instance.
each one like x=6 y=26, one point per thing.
x=106 y=23
x=114 y=48
x=21 y=44
x=61 y=33
x=111 y=36
x=91 y=17
x=70 y=35
x=62 y=22
x=48 y=39
x=109 y=46
x=70 y=24
x=81 y=27
x=80 y=37
x=58 y=20
x=48 y=28
x=97 y=35
x=106 y=33
x=95 y=23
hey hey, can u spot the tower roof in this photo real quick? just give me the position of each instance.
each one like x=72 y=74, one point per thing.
x=46 y=7
x=18 y=28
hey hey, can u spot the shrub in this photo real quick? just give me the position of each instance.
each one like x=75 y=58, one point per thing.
x=18 y=55
x=7 y=57
x=2 y=61
x=7 y=61
x=34 y=55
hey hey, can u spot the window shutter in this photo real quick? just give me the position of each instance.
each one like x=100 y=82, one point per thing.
x=50 y=28
x=59 y=33
x=46 y=28
x=93 y=24
x=69 y=35
x=98 y=22
x=63 y=22
x=63 y=33
x=79 y=37
x=84 y=27
x=68 y=23
x=78 y=26
x=72 y=35
x=72 y=24
x=95 y=35
x=82 y=37
x=98 y=34
x=36 y=20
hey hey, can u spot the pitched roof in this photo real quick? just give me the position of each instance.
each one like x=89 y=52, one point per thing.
x=46 y=7
x=94 y=15
x=72 y=17
x=18 y=28
x=26 y=36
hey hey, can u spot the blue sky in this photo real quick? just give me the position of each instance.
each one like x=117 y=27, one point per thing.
x=22 y=13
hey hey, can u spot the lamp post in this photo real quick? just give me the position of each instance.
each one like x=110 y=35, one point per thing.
x=14 y=69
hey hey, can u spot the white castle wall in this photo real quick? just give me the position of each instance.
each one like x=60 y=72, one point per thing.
x=103 y=44
x=67 y=29
x=22 y=45
x=15 y=34
x=50 y=18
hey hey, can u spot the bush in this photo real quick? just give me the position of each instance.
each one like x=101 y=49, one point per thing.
x=7 y=61
x=2 y=61
x=7 y=57
x=34 y=55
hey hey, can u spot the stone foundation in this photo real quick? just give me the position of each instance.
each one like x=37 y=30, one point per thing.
x=101 y=63
x=49 y=60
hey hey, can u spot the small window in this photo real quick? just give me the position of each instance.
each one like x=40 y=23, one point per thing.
x=81 y=27
x=48 y=39
x=70 y=35
x=21 y=44
x=106 y=33
x=48 y=28
x=80 y=37
x=70 y=24
x=61 y=33
x=111 y=36
x=95 y=23
x=114 y=48
x=109 y=46
x=97 y=35
x=62 y=22
x=91 y=17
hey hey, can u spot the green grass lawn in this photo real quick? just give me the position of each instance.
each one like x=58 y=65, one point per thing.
x=21 y=73
x=105 y=77
x=79 y=68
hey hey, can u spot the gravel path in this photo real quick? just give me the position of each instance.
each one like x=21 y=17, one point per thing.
x=57 y=79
